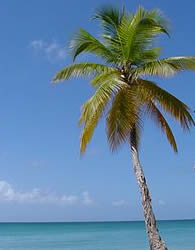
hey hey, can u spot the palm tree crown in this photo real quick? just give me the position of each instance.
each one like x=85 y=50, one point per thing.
x=122 y=93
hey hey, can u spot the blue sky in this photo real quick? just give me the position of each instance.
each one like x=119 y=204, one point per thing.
x=42 y=177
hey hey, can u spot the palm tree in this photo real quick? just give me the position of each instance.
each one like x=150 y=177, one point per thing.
x=122 y=92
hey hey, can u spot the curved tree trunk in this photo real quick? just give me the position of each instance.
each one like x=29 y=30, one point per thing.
x=155 y=240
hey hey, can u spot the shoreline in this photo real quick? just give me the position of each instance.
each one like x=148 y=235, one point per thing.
x=87 y=222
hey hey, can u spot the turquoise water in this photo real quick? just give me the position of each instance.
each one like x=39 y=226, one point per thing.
x=179 y=235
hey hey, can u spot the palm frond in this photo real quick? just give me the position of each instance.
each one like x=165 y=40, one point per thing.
x=166 y=67
x=84 y=42
x=149 y=91
x=82 y=69
x=149 y=55
x=110 y=18
x=93 y=109
x=159 y=119
x=121 y=118
x=137 y=33
x=105 y=77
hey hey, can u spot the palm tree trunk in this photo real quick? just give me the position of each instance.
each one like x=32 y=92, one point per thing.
x=155 y=240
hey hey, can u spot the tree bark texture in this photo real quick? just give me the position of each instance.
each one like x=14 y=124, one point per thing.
x=155 y=240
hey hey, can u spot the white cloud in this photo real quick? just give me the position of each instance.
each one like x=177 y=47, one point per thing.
x=52 y=50
x=9 y=194
x=161 y=203
x=86 y=199
x=119 y=203
x=37 y=44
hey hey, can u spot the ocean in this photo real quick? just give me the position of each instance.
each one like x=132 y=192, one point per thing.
x=179 y=235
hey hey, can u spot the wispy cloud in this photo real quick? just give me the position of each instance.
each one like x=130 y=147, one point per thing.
x=53 y=51
x=9 y=194
x=38 y=44
x=86 y=199
x=119 y=203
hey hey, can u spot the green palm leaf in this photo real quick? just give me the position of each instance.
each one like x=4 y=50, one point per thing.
x=105 y=77
x=149 y=91
x=93 y=109
x=110 y=19
x=159 y=119
x=166 y=67
x=84 y=42
x=121 y=117
x=137 y=33
x=81 y=69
